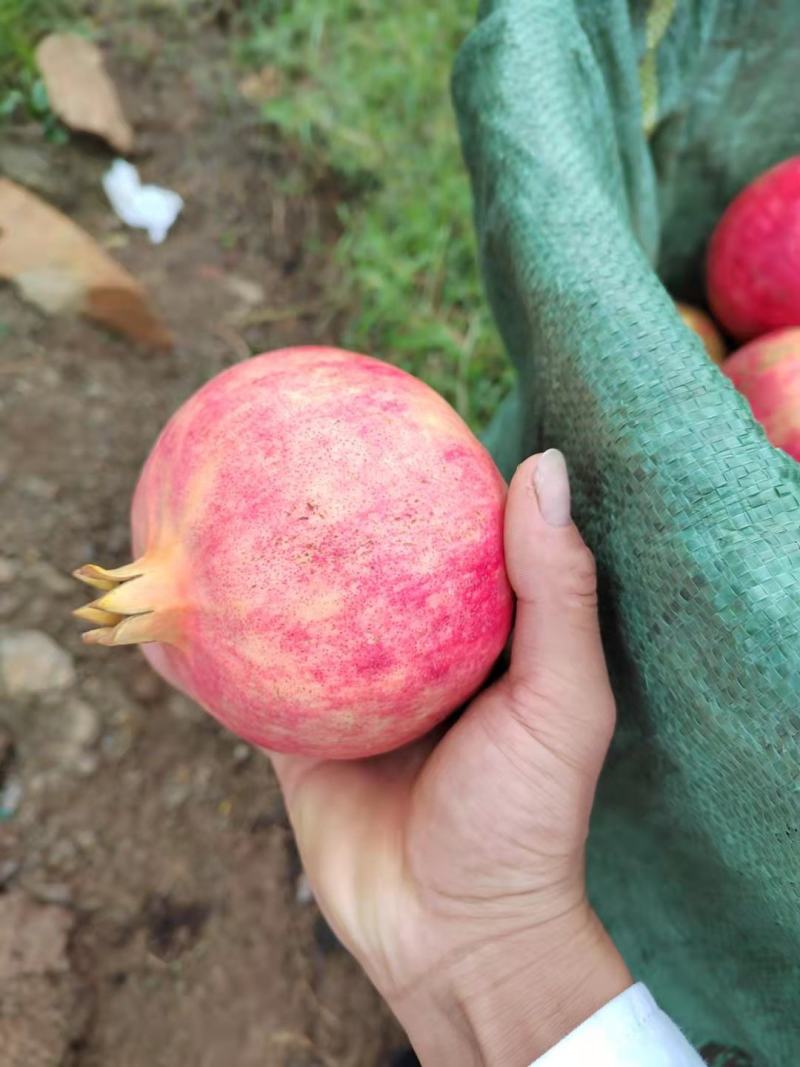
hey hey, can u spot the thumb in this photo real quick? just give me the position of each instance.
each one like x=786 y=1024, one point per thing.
x=557 y=660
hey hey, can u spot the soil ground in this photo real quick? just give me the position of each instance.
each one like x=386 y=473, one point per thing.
x=149 y=886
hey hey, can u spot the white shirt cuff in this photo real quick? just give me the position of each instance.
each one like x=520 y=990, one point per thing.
x=630 y=1031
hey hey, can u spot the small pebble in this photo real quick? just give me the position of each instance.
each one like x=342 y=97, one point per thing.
x=86 y=764
x=8 y=570
x=50 y=892
x=52 y=579
x=39 y=488
x=117 y=744
x=63 y=853
x=31 y=662
x=10 y=602
x=175 y=795
x=241 y=753
x=303 y=893
x=82 y=723
x=10 y=798
x=86 y=840
x=184 y=710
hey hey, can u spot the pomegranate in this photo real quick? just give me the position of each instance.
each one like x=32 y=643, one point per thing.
x=703 y=326
x=753 y=267
x=767 y=372
x=319 y=555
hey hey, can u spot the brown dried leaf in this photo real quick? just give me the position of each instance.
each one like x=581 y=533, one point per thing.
x=262 y=85
x=80 y=90
x=60 y=268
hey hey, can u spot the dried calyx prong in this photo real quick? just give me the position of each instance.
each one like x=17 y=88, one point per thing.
x=131 y=609
x=101 y=578
x=90 y=613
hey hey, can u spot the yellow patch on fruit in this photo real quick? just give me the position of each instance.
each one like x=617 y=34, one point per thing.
x=703 y=326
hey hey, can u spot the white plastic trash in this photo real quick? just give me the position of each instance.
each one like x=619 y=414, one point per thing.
x=145 y=207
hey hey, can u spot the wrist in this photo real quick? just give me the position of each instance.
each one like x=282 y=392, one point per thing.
x=505 y=1002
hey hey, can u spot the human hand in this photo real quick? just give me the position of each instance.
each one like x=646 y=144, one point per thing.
x=453 y=869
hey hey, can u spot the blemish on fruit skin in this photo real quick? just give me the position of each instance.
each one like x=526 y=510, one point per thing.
x=361 y=626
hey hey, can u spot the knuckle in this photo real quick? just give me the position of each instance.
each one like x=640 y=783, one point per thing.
x=522 y=695
x=579 y=720
x=532 y=698
x=580 y=577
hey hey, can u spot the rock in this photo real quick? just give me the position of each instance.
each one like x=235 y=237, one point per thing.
x=63 y=854
x=39 y=488
x=175 y=795
x=10 y=798
x=245 y=290
x=86 y=764
x=116 y=744
x=86 y=840
x=10 y=601
x=81 y=724
x=74 y=729
x=80 y=91
x=37 y=783
x=303 y=894
x=241 y=753
x=8 y=570
x=39 y=610
x=50 y=892
x=31 y=662
x=184 y=710
x=52 y=579
x=33 y=938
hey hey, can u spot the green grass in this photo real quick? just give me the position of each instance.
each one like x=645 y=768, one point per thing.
x=22 y=24
x=365 y=91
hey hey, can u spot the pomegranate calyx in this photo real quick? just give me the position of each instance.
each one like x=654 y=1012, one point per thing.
x=132 y=607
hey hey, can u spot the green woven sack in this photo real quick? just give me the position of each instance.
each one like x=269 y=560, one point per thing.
x=604 y=138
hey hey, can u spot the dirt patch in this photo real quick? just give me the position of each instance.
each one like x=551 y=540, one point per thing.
x=153 y=842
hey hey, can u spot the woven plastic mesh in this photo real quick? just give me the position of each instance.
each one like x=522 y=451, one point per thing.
x=603 y=141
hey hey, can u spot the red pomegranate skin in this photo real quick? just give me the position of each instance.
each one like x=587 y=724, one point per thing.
x=767 y=372
x=320 y=555
x=753 y=265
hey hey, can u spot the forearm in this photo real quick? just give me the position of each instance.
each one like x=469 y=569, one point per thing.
x=507 y=1002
